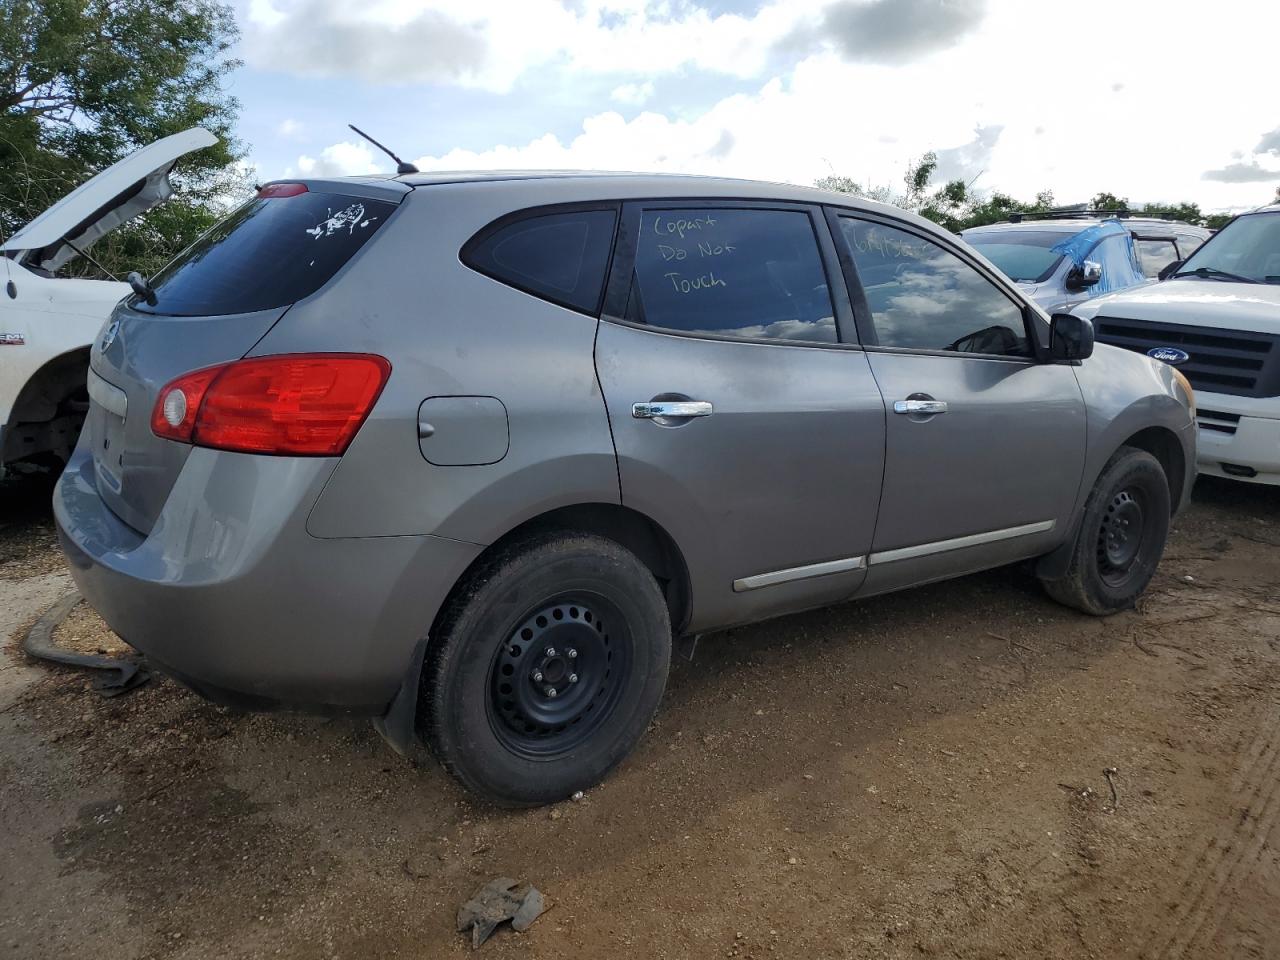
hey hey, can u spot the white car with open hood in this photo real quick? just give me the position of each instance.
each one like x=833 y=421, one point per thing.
x=47 y=322
x=1217 y=319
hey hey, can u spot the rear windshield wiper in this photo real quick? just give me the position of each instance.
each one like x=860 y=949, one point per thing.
x=1215 y=274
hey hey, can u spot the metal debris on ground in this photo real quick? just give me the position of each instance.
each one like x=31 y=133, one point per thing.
x=499 y=900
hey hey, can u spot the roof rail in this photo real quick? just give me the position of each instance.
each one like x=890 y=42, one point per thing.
x=1069 y=213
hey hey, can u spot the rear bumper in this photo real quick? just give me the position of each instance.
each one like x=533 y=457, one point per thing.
x=231 y=595
x=1239 y=437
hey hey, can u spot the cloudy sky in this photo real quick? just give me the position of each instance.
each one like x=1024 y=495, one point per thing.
x=1156 y=101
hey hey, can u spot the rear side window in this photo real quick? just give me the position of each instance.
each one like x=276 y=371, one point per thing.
x=561 y=257
x=924 y=297
x=1188 y=244
x=755 y=274
x=271 y=252
x=1155 y=255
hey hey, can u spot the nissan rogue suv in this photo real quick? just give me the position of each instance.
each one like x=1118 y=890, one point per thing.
x=466 y=453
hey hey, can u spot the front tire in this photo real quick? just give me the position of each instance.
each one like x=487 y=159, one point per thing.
x=1121 y=539
x=545 y=668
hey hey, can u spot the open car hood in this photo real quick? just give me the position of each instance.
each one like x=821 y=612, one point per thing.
x=124 y=190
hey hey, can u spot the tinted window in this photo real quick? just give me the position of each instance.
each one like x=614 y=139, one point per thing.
x=1155 y=255
x=923 y=297
x=561 y=257
x=269 y=253
x=727 y=272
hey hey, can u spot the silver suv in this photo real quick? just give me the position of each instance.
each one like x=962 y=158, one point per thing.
x=467 y=452
x=1062 y=259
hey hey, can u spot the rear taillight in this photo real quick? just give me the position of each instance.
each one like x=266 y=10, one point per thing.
x=298 y=404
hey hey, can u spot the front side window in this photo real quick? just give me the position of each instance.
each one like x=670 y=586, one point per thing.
x=923 y=297
x=755 y=274
x=1155 y=255
x=561 y=257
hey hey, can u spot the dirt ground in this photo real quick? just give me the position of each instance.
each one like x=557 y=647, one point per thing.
x=914 y=775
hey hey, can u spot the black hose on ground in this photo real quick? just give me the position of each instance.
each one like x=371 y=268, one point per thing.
x=118 y=676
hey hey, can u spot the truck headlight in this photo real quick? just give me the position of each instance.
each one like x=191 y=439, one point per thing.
x=1186 y=386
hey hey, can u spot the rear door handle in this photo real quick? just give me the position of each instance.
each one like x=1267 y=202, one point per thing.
x=920 y=407
x=675 y=409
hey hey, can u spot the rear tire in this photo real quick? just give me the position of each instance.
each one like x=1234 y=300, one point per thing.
x=1121 y=537
x=545 y=668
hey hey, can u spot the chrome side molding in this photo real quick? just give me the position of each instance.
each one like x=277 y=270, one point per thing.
x=959 y=543
x=798 y=573
x=808 y=571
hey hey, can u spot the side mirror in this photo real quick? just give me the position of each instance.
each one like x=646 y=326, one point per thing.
x=1070 y=337
x=1169 y=269
x=1085 y=275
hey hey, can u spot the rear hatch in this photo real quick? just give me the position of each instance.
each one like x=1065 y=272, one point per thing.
x=211 y=305
x=126 y=189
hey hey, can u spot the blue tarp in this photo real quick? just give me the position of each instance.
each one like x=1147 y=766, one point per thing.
x=1119 y=258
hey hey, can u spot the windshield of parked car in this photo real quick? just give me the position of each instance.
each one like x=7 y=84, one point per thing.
x=1025 y=255
x=1247 y=248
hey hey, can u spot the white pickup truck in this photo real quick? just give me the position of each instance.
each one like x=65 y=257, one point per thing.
x=1217 y=319
x=47 y=322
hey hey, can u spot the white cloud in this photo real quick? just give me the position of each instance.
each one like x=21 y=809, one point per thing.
x=984 y=99
x=289 y=128
x=633 y=94
x=344 y=159
x=488 y=44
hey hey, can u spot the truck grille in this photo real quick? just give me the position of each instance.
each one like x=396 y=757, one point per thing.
x=1217 y=422
x=1236 y=362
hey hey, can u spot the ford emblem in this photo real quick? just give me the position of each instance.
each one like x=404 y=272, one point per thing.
x=109 y=337
x=1170 y=355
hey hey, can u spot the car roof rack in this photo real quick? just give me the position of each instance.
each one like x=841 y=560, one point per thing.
x=1072 y=213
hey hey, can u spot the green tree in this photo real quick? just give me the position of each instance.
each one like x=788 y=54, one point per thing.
x=840 y=184
x=85 y=82
x=953 y=205
x=1108 y=201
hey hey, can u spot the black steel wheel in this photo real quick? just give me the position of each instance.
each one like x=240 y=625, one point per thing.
x=1121 y=536
x=558 y=676
x=545 y=668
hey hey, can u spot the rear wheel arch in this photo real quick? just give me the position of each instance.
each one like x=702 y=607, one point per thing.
x=629 y=528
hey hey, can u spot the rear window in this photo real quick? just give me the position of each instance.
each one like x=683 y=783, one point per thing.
x=561 y=257
x=270 y=253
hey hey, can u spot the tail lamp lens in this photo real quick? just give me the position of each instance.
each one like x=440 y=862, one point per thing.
x=298 y=405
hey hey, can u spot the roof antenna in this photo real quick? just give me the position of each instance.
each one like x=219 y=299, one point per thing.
x=401 y=167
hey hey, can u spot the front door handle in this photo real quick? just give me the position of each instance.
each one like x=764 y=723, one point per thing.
x=920 y=407
x=673 y=409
